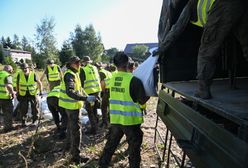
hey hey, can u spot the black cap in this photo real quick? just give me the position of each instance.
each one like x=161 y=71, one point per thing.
x=120 y=59
x=98 y=64
x=73 y=59
x=24 y=66
x=86 y=59
x=50 y=61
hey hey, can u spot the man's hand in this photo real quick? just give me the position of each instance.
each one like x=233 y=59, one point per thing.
x=13 y=95
x=155 y=52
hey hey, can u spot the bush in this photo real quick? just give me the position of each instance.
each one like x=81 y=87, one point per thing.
x=8 y=61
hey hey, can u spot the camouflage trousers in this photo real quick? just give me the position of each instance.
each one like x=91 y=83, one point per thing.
x=23 y=107
x=7 y=108
x=73 y=132
x=225 y=17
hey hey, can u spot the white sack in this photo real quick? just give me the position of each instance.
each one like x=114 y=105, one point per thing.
x=145 y=73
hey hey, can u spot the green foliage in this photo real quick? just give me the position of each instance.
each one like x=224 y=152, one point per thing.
x=16 y=43
x=87 y=42
x=1 y=53
x=8 y=61
x=28 y=61
x=105 y=58
x=139 y=51
x=110 y=53
x=8 y=43
x=45 y=41
x=66 y=52
x=25 y=44
x=39 y=60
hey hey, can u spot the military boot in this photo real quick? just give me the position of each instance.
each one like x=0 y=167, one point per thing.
x=203 y=89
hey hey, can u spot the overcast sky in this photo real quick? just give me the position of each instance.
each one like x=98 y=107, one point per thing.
x=118 y=21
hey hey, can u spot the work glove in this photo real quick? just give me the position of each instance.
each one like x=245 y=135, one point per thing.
x=91 y=98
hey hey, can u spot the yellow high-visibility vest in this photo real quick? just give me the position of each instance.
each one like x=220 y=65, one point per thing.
x=27 y=85
x=4 y=93
x=53 y=73
x=108 y=76
x=203 y=7
x=123 y=110
x=92 y=79
x=64 y=100
x=55 y=92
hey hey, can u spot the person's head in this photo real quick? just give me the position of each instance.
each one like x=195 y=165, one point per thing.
x=112 y=68
x=131 y=67
x=98 y=65
x=121 y=60
x=86 y=60
x=8 y=68
x=74 y=62
x=25 y=68
x=50 y=62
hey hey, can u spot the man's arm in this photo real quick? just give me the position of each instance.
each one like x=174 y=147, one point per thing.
x=176 y=29
x=137 y=91
x=70 y=86
x=9 y=86
x=82 y=76
x=102 y=77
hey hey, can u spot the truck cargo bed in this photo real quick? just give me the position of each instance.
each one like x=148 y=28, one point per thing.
x=228 y=103
x=212 y=133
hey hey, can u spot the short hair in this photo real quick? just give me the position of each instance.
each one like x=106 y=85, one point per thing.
x=8 y=68
x=121 y=59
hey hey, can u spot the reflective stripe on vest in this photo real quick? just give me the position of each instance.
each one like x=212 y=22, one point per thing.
x=203 y=7
x=53 y=73
x=108 y=76
x=64 y=100
x=4 y=93
x=92 y=79
x=122 y=108
x=27 y=85
x=55 y=92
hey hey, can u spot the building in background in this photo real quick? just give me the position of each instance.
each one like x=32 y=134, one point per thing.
x=17 y=55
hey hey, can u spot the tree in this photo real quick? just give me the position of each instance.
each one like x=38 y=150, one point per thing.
x=16 y=43
x=1 y=53
x=8 y=43
x=66 y=52
x=45 y=41
x=139 y=51
x=87 y=42
x=109 y=54
x=25 y=44
x=8 y=61
x=3 y=42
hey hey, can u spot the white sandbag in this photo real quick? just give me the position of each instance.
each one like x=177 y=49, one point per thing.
x=145 y=73
x=84 y=120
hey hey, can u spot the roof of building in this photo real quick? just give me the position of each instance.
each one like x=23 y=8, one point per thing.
x=129 y=47
x=17 y=51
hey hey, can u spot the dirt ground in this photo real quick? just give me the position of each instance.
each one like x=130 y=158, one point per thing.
x=17 y=150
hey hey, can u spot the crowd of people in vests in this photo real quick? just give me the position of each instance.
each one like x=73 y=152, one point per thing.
x=111 y=88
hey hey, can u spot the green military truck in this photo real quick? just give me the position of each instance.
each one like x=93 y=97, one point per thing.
x=210 y=133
